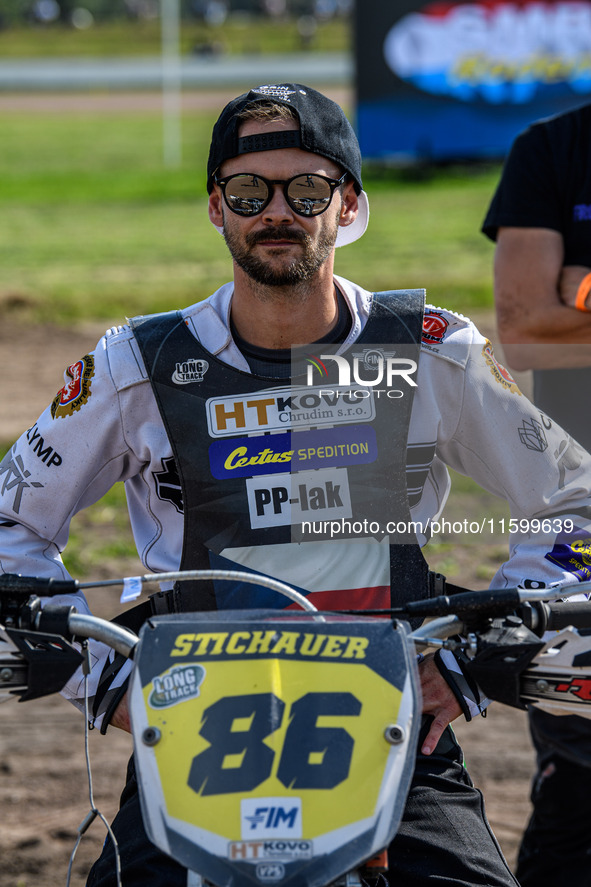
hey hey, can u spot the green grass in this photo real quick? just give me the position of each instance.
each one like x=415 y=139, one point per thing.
x=93 y=227
x=470 y=558
x=425 y=232
x=238 y=36
x=100 y=541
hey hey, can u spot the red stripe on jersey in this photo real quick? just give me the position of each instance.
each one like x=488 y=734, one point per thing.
x=376 y=597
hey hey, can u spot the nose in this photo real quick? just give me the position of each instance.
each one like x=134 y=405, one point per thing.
x=278 y=210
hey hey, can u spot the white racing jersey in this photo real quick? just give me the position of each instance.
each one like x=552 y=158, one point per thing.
x=104 y=426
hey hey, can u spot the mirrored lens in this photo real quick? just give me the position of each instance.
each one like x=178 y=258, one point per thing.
x=246 y=194
x=309 y=195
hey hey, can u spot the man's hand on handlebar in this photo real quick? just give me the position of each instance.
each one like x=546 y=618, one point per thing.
x=121 y=716
x=438 y=701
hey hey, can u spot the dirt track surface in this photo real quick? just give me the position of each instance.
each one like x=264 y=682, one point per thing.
x=32 y=363
x=126 y=102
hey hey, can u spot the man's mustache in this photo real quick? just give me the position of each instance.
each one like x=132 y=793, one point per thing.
x=281 y=232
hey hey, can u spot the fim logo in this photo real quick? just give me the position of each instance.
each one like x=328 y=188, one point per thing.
x=271 y=818
x=190 y=371
x=175 y=685
x=373 y=358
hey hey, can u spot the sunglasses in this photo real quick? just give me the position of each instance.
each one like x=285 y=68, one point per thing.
x=247 y=194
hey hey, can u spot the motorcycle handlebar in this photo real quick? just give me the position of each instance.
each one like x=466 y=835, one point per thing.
x=548 y=617
x=65 y=621
x=120 y=639
x=556 y=616
x=469 y=607
x=15 y=584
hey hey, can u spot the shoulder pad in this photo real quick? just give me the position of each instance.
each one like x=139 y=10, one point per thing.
x=125 y=361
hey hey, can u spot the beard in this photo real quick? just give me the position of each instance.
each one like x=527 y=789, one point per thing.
x=297 y=270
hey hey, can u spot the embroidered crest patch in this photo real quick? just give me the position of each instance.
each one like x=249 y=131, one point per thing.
x=502 y=375
x=76 y=391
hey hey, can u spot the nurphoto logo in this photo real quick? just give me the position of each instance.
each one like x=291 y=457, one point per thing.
x=369 y=370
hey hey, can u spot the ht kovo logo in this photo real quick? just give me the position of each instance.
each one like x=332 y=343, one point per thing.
x=368 y=370
x=278 y=409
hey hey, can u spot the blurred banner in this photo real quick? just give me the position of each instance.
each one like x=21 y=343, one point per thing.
x=458 y=80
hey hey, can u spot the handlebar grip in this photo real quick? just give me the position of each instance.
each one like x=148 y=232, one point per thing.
x=560 y=615
x=14 y=583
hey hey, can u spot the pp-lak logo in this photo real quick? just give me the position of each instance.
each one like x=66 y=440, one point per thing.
x=288 y=499
x=271 y=818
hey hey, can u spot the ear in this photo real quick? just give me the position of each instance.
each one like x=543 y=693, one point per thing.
x=349 y=205
x=216 y=215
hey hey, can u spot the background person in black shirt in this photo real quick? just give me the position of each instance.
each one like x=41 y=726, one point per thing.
x=540 y=217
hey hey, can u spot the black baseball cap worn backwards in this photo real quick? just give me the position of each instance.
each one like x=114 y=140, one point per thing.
x=324 y=130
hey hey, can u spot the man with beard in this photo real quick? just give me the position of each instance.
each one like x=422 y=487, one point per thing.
x=208 y=413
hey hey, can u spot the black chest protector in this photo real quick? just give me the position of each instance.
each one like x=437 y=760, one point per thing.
x=264 y=464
